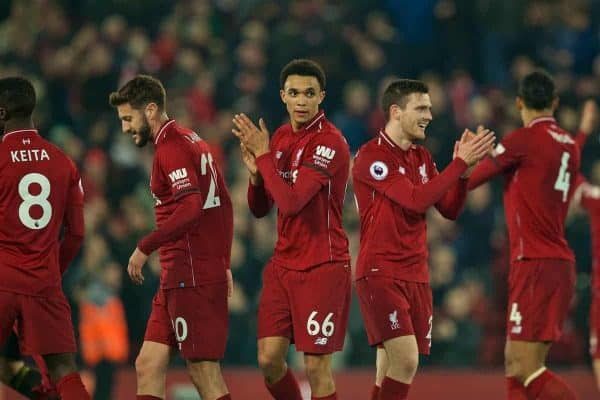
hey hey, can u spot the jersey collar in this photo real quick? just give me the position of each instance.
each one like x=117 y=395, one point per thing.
x=386 y=140
x=18 y=132
x=163 y=130
x=315 y=124
x=539 y=120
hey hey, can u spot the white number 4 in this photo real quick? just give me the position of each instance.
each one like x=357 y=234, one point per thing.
x=562 y=183
x=515 y=315
x=313 y=326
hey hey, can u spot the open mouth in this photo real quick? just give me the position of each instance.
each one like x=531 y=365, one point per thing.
x=423 y=124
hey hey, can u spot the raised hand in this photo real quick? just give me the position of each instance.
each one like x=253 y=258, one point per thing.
x=248 y=159
x=474 y=147
x=589 y=117
x=254 y=138
x=250 y=162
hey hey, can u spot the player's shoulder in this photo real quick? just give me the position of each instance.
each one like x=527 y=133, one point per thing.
x=328 y=133
x=58 y=154
x=522 y=133
x=179 y=138
x=282 y=130
x=371 y=151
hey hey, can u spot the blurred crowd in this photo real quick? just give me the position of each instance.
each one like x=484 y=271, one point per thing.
x=219 y=57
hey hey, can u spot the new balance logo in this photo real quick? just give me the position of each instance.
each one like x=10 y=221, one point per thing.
x=178 y=174
x=321 y=341
x=326 y=152
x=394 y=320
x=516 y=330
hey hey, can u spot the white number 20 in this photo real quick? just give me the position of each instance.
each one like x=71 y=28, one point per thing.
x=212 y=200
x=564 y=178
x=313 y=327
x=30 y=200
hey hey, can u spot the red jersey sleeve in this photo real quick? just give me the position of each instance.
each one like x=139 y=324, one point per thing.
x=508 y=154
x=399 y=189
x=585 y=193
x=188 y=182
x=186 y=215
x=259 y=200
x=321 y=160
x=73 y=223
x=590 y=195
x=580 y=140
x=178 y=164
x=453 y=201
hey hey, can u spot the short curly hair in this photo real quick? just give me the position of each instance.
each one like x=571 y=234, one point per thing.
x=140 y=91
x=303 y=67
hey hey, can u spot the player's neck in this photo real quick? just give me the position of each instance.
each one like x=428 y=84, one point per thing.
x=530 y=115
x=156 y=125
x=18 y=125
x=395 y=132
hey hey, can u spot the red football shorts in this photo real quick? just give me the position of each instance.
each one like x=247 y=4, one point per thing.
x=43 y=324
x=308 y=307
x=392 y=308
x=195 y=320
x=539 y=295
x=595 y=325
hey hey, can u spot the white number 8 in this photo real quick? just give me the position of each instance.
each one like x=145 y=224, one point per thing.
x=30 y=200
x=313 y=326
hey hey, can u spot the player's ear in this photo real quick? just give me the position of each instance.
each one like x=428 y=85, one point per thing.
x=395 y=111
x=321 y=96
x=555 y=103
x=519 y=103
x=282 y=95
x=151 y=110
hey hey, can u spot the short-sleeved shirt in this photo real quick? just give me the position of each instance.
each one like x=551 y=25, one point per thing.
x=393 y=239
x=183 y=164
x=38 y=183
x=315 y=234
x=540 y=163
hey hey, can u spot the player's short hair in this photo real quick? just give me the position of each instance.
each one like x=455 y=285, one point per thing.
x=139 y=92
x=537 y=90
x=17 y=97
x=303 y=67
x=398 y=92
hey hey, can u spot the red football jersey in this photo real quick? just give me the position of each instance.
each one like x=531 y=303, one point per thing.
x=183 y=164
x=590 y=201
x=393 y=189
x=305 y=174
x=38 y=184
x=540 y=163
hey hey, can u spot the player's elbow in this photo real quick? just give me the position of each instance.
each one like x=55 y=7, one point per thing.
x=74 y=239
x=473 y=184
